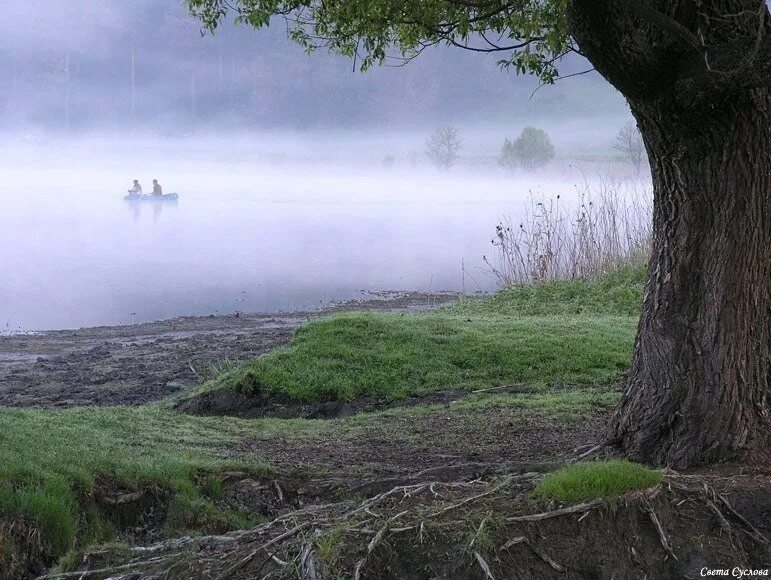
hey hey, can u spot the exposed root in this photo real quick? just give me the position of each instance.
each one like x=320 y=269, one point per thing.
x=432 y=516
x=538 y=552
x=308 y=562
x=468 y=500
x=478 y=532
x=484 y=565
x=372 y=545
x=659 y=528
x=590 y=453
x=244 y=561
x=581 y=507
x=103 y=571
x=677 y=480
x=749 y=529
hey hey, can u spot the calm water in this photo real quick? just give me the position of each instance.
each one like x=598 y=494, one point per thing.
x=239 y=239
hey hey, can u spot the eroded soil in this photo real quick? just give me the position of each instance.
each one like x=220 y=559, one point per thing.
x=139 y=364
x=467 y=528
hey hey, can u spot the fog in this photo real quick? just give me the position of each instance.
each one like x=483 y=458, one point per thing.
x=301 y=182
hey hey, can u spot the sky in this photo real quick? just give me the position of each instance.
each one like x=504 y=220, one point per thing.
x=90 y=65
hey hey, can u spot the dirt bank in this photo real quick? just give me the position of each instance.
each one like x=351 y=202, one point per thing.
x=137 y=364
x=480 y=528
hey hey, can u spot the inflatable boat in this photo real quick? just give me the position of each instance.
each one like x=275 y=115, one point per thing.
x=149 y=197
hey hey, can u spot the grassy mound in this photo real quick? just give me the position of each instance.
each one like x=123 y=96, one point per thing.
x=49 y=462
x=595 y=479
x=393 y=356
x=560 y=332
x=617 y=293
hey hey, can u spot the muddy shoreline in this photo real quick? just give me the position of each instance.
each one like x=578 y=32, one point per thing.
x=143 y=363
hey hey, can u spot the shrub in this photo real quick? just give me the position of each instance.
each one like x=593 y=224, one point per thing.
x=443 y=146
x=531 y=149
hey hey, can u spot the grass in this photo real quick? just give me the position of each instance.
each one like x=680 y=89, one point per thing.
x=595 y=479
x=565 y=341
x=557 y=332
x=618 y=293
x=49 y=461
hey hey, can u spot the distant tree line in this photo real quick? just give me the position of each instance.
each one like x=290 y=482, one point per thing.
x=533 y=148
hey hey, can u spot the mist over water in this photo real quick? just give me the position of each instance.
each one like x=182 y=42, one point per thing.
x=301 y=181
x=261 y=225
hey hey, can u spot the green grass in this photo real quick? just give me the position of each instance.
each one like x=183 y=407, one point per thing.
x=595 y=479
x=565 y=341
x=617 y=293
x=393 y=356
x=560 y=332
x=50 y=459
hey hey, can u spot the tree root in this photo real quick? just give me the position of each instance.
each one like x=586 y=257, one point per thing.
x=282 y=543
x=484 y=565
x=537 y=551
x=659 y=528
x=370 y=547
x=581 y=507
x=676 y=480
x=100 y=571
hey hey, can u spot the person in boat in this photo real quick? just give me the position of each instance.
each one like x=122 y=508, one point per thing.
x=157 y=189
x=137 y=189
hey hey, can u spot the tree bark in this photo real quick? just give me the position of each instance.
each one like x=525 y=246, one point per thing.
x=698 y=390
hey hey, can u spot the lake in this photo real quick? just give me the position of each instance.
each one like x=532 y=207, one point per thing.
x=246 y=235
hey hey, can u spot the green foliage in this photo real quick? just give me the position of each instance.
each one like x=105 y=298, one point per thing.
x=531 y=149
x=49 y=461
x=558 y=332
x=443 y=146
x=533 y=33
x=595 y=479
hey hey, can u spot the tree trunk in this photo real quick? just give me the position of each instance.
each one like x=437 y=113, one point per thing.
x=698 y=390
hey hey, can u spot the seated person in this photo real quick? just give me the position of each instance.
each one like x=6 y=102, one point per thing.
x=157 y=190
x=137 y=189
